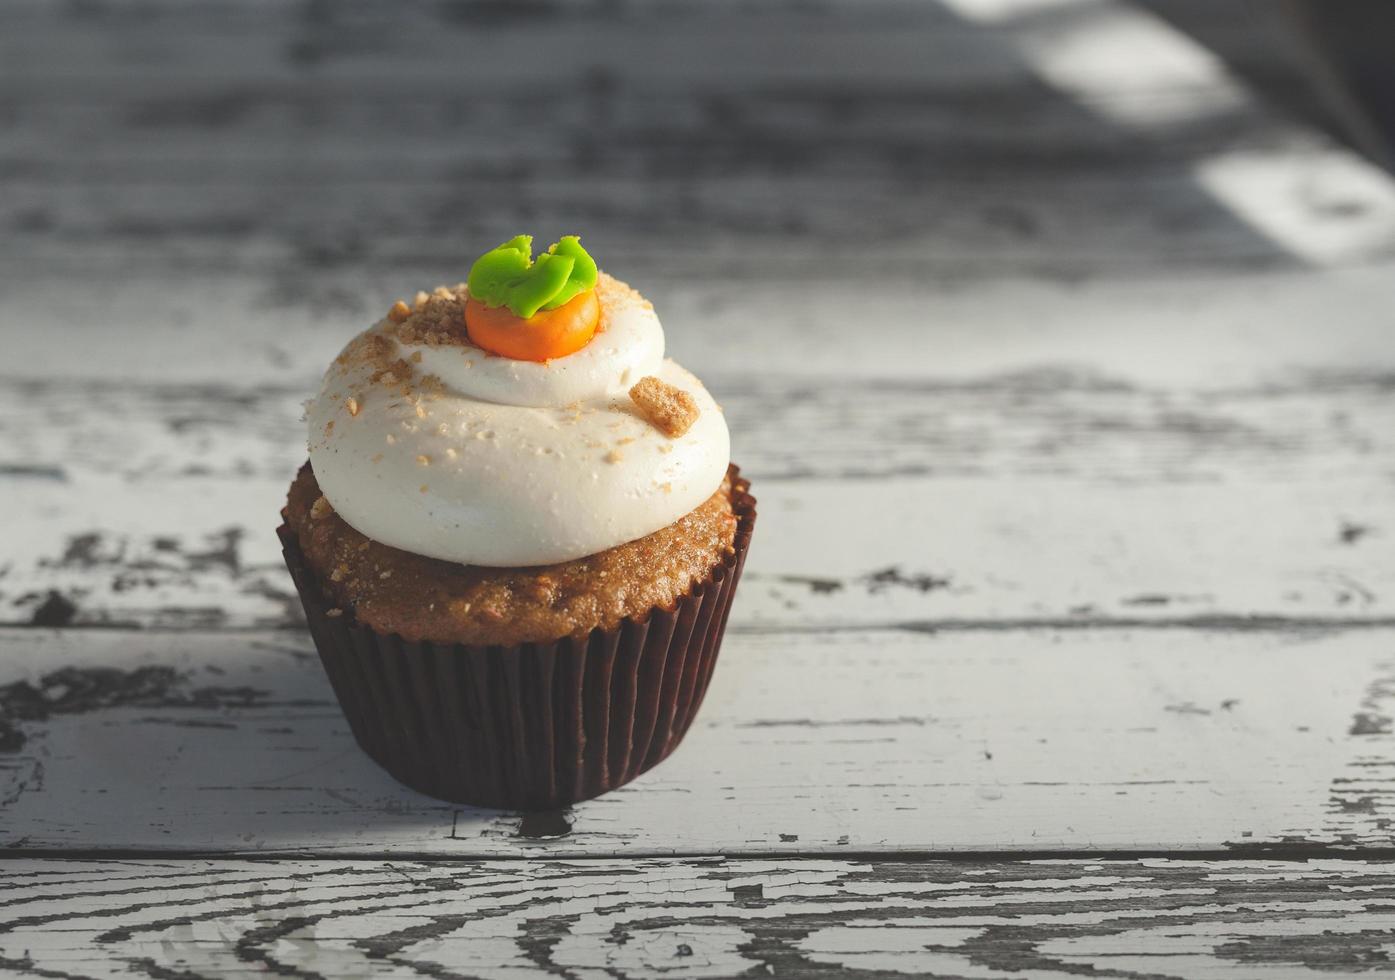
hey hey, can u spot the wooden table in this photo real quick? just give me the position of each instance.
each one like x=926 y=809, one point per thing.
x=1063 y=370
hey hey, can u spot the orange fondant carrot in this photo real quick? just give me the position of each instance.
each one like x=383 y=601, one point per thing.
x=545 y=335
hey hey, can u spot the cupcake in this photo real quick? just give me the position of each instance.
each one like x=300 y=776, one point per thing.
x=518 y=534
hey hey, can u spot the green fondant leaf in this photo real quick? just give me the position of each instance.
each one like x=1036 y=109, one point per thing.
x=507 y=275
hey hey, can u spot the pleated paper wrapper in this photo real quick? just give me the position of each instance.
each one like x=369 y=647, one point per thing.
x=535 y=725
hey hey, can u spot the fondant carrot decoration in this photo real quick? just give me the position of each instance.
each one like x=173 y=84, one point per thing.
x=533 y=311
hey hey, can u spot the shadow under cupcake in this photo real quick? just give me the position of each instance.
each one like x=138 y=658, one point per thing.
x=517 y=567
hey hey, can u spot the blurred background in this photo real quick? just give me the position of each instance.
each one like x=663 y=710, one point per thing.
x=214 y=184
x=914 y=239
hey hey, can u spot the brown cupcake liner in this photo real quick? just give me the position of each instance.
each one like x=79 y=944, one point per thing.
x=530 y=726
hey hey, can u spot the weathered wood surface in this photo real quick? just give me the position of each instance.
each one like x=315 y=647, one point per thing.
x=1046 y=495
x=329 y=140
x=1241 y=920
x=858 y=741
x=1231 y=327
x=1080 y=544
x=239 y=188
x=1110 y=566
x=1096 y=294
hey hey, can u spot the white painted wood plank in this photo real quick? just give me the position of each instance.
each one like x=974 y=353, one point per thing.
x=1084 y=425
x=209 y=194
x=205 y=193
x=785 y=124
x=201 y=205
x=200 y=553
x=1228 y=920
x=1042 y=495
x=895 y=741
x=1173 y=332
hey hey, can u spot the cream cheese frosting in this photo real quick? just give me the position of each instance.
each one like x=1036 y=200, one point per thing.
x=427 y=443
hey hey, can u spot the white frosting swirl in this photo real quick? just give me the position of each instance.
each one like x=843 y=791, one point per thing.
x=506 y=462
x=630 y=346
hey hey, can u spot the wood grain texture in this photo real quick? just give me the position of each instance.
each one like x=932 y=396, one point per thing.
x=1231 y=327
x=860 y=741
x=1041 y=495
x=1082 y=546
x=1087 y=425
x=1084 y=550
x=1247 y=920
x=1077 y=318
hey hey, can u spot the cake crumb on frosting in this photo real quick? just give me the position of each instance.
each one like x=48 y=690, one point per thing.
x=614 y=456
x=391 y=373
x=321 y=508
x=352 y=405
x=399 y=312
x=368 y=348
x=437 y=319
x=672 y=410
